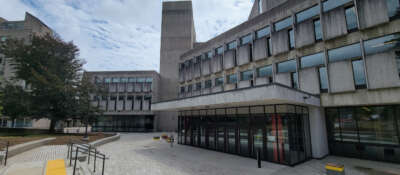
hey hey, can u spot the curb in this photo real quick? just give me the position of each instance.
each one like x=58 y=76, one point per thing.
x=20 y=148
x=105 y=140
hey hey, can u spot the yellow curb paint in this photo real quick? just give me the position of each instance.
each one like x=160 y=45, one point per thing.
x=56 y=167
x=333 y=168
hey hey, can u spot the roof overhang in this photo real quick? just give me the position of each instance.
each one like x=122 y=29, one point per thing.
x=259 y=95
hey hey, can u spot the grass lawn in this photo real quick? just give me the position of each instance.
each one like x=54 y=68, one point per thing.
x=61 y=139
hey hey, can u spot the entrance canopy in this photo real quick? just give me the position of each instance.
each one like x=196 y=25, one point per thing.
x=259 y=95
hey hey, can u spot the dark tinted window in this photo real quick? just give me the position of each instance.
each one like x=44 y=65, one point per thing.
x=287 y=66
x=317 y=29
x=393 y=7
x=264 y=71
x=323 y=79
x=198 y=86
x=247 y=75
x=343 y=53
x=294 y=78
x=398 y=63
x=269 y=49
x=351 y=18
x=219 y=81
x=331 y=4
x=263 y=32
x=231 y=78
x=190 y=88
x=291 y=38
x=246 y=39
x=359 y=74
x=283 y=24
x=307 y=14
x=312 y=60
x=207 y=84
x=182 y=89
x=381 y=44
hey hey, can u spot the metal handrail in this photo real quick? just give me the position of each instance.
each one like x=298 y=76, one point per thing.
x=86 y=150
x=7 y=145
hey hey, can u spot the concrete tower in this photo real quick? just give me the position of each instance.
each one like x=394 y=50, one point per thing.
x=177 y=36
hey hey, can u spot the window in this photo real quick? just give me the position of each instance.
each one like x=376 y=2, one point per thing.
x=291 y=38
x=283 y=24
x=132 y=80
x=287 y=66
x=104 y=98
x=141 y=80
x=3 y=38
x=115 y=80
x=331 y=4
x=121 y=98
x=148 y=97
x=198 y=86
x=260 y=6
x=207 y=84
x=344 y=53
x=269 y=49
x=98 y=80
x=231 y=79
x=12 y=25
x=263 y=32
x=149 y=80
x=398 y=62
x=265 y=71
x=307 y=14
x=381 y=44
x=393 y=7
x=317 y=30
x=124 y=80
x=232 y=45
x=219 y=81
x=351 y=18
x=323 y=79
x=312 y=60
x=190 y=88
x=130 y=97
x=294 y=78
x=182 y=89
x=209 y=55
x=246 y=39
x=107 y=80
x=219 y=50
x=113 y=98
x=358 y=72
x=246 y=75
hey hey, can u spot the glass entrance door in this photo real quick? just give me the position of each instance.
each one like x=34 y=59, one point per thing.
x=231 y=140
x=258 y=142
x=244 y=141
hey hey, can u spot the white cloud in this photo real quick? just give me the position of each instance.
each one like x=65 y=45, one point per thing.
x=123 y=34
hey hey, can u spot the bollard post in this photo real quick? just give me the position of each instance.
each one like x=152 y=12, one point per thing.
x=70 y=154
x=76 y=158
x=104 y=159
x=5 y=161
x=88 y=160
x=259 y=158
x=95 y=156
x=68 y=145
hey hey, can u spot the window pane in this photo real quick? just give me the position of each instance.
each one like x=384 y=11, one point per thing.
x=198 y=86
x=344 y=53
x=307 y=14
x=393 y=6
x=287 y=66
x=398 y=63
x=331 y=4
x=269 y=46
x=264 y=71
x=115 y=80
x=294 y=80
x=232 y=79
x=312 y=60
x=351 y=18
x=323 y=78
x=318 y=30
x=263 y=32
x=209 y=54
x=247 y=75
x=291 y=38
x=124 y=80
x=246 y=39
x=132 y=80
x=382 y=44
x=232 y=45
x=220 y=50
x=219 y=81
x=358 y=70
x=377 y=125
x=334 y=124
x=141 y=80
x=260 y=6
x=283 y=24
x=207 y=84
x=348 y=125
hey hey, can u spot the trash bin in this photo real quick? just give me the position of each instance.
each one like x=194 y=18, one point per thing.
x=334 y=169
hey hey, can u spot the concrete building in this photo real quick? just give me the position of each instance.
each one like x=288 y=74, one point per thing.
x=300 y=79
x=127 y=103
x=25 y=29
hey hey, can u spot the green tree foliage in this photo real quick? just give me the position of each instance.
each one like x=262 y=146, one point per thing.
x=15 y=101
x=50 y=67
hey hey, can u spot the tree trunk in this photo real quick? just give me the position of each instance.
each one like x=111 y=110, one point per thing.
x=52 y=128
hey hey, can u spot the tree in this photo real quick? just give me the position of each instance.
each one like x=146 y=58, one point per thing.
x=15 y=101
x=50 y=68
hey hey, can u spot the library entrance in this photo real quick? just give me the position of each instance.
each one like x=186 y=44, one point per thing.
x=280 y=133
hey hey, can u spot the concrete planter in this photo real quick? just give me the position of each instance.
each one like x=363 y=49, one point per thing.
x=105 y=140
x=17 y=149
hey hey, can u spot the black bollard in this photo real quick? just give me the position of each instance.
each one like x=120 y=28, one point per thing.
x=259 y=158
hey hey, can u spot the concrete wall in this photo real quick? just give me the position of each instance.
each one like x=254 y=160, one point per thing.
x=309 y=80
x=216 y=63
x=284 y=78
x=229 y=59
x=120 y=105
x=111 y=105
x=305 y=34
x=244 y=84
x=319 y=137
x=206 y=67
x=368 y=12
x=137 y=102
x=197 y=70
x=128 y=105
x=343 y=80
x=334 y=23
x=385 y=75
x=261 y=81
x=244 y=55
x=280 y=42
x=260 y=49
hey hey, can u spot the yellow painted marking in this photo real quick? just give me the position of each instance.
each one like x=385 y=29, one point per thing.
x=334 y=168
x=56 y=167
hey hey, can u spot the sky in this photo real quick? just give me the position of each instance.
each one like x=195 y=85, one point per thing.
x=122 y=34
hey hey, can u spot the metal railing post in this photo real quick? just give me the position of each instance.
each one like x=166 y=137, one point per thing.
x=104 y=160
x=76 y=158
x=69 y=146
x=95 y=156
x=88 y=160
x=70 y=154
x=5 y=161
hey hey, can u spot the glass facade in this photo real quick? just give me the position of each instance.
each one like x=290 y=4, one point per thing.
x=123 y=124
x=281 y=135
x=368 y=132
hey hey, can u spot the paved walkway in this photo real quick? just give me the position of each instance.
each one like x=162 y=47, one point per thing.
x=139 y=154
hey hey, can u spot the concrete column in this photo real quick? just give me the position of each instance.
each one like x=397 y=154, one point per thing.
x=319 y=137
